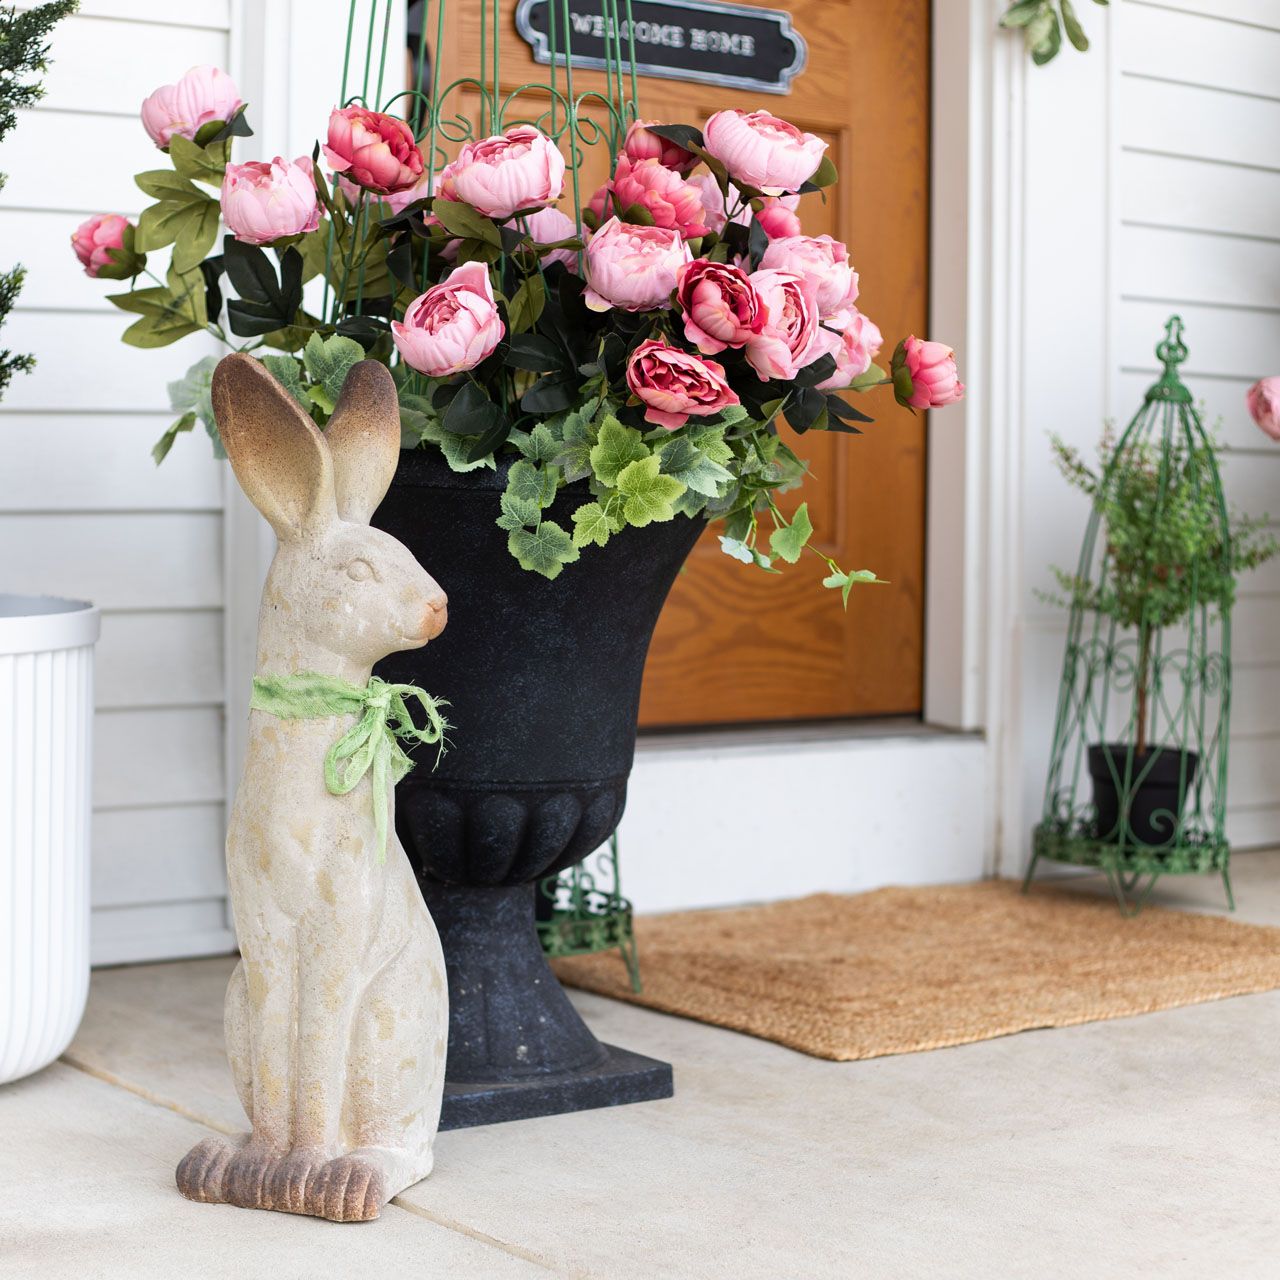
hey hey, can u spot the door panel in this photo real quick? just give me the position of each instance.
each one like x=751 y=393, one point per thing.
x=735 y=644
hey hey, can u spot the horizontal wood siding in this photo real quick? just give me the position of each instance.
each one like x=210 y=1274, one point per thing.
x=84 y=511
x=1196 y=124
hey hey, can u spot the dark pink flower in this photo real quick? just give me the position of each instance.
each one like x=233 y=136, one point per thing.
x=375 y=150
x=925 y=374
x=720 y=304
x=675 y=386
x=668 y=199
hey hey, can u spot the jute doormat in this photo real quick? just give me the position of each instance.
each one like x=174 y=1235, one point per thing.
x=903 y=970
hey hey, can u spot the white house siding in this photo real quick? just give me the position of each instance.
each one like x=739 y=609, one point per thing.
x=83 y=510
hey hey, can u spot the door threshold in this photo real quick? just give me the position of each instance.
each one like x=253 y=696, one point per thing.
x=718 y=737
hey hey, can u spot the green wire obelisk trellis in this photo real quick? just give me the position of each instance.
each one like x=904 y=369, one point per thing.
x=1137 y=778
x=582 y=910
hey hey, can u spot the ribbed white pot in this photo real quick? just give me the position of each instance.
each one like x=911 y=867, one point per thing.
x=46 y=725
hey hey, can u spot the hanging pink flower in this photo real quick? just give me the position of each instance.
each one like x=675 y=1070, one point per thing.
x=99 y=243
x=633 y=268
x=667 y=198
x=675 y=386
x=372 y=149
x=763 y=152
x=203 y=95
x=453 y=326
x=519 y=169
x=1263 y=399
x=720 y=304
x=925 y=374
x=824 y=263
x=855 y=349
x=263 y=202
x=789 y=338
x=641 y=144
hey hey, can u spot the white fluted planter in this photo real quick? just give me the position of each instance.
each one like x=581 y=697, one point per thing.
x=46 y=725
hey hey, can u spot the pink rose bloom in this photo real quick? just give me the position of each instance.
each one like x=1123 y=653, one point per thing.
x=668 y=198
x=453 y=326
x=546 y=226
x=95 y=237
x=720 y=304
x=202 y=95
x=823 y=262
x=633 y=268
x=790 y=338
x=263 y=203
x=855 y=349
x=640 y=144
x=763 y=152
x=925 y=374
x=374 y=150
x=1263 y=399
x=675 y=386
x=519 y=169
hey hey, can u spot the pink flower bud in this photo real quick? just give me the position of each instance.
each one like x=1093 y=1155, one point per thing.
x=453 y=326
x=202 y=95
x=925 y=374
x=763 y=152
x=519 y=169
x=1263 y=399
x=778 y=218
x=641 y=144
x=264 y=202
x=633 y=268
x=104 y=245
x=675 y=386
x=720 y=304
x=373 y=149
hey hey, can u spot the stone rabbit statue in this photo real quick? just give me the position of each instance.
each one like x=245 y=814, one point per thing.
x=337 y=1014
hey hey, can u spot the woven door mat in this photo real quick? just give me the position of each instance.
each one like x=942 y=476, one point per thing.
x=903 y=970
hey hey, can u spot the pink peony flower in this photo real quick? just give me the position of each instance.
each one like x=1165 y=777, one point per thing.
x=640 y=144
x=676 y=386
x=399 y=201
x=202 y=95
x=1263 y=399
x=776 y=213
x=855 y=349
x=95 y=238
x=720 y=304
x=546 y=226
x=762 y=152
x=633 y=268
x=600 y=204
x=925 y=374
x=790 y=338
x=824 y=263
x=374 y=150
x=777 y=216
x=713 y=213
x=453 y=326
x=669 y=200
x=265 y=202
x=519 y=169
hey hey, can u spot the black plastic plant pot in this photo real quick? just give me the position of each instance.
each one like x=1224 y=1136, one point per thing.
x=1160 y=778
x=543 y=681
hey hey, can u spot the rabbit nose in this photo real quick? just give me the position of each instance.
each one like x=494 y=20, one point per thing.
x=436 y=615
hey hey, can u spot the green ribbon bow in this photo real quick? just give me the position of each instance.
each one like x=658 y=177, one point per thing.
x=371 y=743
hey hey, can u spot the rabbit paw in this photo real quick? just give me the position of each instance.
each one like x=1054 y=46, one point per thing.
x=347 y=1189
x=202 y=1174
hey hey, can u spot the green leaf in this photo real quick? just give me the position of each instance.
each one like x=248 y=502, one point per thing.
x=545 y=550
x=1021 y=13
x=156 y=301
x=873 y=377
x=540 y=445
x=574 y=458
x=738 y=550
x=158 y=331
x=649 y=494
x=160 y=224
x=532 y=484
x=788 y=542
x=160 y=450
x=455 y=448
x=460 y=219
x=616 y=447
x=1044 y=38
x=196 y=236
x=683 y=459
x=328 y=362
x=825 y=174
x=1075 y=32
x=288 y=373
x=164 y=184
x=203 y=164
x=844 y=582
x=527 y=304
x=517 y=512
x=594 y=523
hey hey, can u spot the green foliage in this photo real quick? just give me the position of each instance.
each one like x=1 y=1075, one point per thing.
x=24 y=56
x=190 y=397
x=328 y=361
x=1042 y=26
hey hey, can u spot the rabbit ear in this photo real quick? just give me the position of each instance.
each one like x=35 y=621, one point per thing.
x=364 y=440
x=276 y=451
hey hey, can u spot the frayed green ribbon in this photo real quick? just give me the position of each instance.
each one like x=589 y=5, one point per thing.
x=372 y=743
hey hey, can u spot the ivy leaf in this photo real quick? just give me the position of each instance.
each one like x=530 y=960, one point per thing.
x=545 y=550
x=682 y=459
x=517 y=512
x=193 y=391
x=616 y=447
x=844 y=582
x=160 y=450
x=456 y=449
x=738 y=550
x=539 y=445
x=574 y=458
x=532 y=484
x=788 y=542
x=649 y=494
x=328 y=362
x=594 y=523
x=288 y=373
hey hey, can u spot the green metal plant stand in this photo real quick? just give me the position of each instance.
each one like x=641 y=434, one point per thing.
x=1137 y=778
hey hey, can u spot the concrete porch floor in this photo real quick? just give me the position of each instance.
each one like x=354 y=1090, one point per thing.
x=1136 y=1147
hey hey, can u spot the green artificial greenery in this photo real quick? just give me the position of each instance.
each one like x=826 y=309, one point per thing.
x=1169 y=546
x=24 y=52
x=1042 y=23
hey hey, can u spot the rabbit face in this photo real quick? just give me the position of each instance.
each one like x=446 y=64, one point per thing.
x=357 y=592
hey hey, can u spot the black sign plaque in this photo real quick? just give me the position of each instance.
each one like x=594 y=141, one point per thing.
x=710 y=41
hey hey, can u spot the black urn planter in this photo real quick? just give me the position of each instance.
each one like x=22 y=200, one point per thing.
x=543 y=680
x=1157 y=801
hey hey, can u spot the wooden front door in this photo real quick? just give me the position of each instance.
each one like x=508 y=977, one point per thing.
x=735 y=645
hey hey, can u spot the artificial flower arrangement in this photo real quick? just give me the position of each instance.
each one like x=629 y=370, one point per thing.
x=649 y=348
